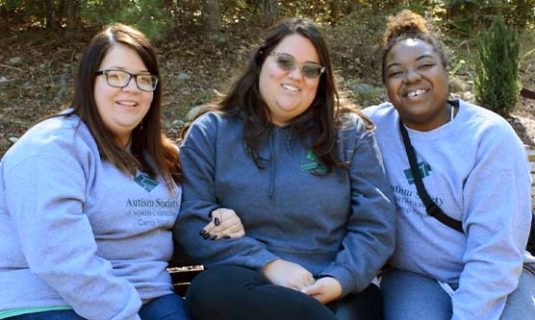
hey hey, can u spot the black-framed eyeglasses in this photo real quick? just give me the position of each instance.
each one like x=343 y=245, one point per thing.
x=120 y=79
x=287 y=62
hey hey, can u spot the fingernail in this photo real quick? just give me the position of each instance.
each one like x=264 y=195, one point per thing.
x=226 y=237
x=213 y=237
x=206 y=235
x=217 y=221
x=202 y=233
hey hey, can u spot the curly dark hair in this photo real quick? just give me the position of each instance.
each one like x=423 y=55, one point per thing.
x=409 y=25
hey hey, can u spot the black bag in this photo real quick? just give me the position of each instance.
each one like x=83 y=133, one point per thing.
x=431 y=207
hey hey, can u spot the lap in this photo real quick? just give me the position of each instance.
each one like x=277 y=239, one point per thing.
x=233 y=292
x=407 y=296
x=364 y=305
x=521 y=302
x=49 y=315
x=168 y=307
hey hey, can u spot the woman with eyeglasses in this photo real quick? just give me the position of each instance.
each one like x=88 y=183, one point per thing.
x=88 y=197
x=303 y=172
x=466 y=262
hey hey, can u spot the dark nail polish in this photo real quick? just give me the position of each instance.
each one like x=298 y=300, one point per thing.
x=206 y=236
x=217 y=221
x=213 y=237
x=202 y=233
x=226 y=237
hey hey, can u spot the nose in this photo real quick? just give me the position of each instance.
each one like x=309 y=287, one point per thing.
x=412 y=76
x=131 y=84
x=296 y=73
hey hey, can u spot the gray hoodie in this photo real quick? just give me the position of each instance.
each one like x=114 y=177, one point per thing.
x=340 y=224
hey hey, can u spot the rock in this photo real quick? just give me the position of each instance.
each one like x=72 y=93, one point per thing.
x=183 y=76
x=3 y=79
x=15 y=61
x=13 y=139
x=218 y=38
x=5 y=143
x=363 y=88
x=178 y=123
x=457 y=85
x=367 y=94
x=531 y=155
x=195 y=111
x=468 y=96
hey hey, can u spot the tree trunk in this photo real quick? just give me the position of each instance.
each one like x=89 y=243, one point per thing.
x=50 y=15
x=72 y=13
x=270 y=11
x=211 y=15
x=335 y=8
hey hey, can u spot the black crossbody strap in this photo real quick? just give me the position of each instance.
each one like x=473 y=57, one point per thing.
x=430 y=206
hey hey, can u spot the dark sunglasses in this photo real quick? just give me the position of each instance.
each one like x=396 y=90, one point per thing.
x=287 y=62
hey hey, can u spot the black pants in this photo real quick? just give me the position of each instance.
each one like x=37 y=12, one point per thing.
x=232 y=292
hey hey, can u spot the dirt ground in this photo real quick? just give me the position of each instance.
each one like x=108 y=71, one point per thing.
x=36 y=79
x=523 y=121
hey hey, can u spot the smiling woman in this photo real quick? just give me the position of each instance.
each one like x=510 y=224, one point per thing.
x=122 y=103
x=74 y=188
x=461 y=183
x=304 y=173
x=88 y=197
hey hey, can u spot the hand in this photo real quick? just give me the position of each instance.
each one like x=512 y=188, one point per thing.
x=225 y=224
x=324 y=290
x=288 y=274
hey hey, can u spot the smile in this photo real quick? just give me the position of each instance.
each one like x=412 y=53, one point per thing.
x=290 y=88
x=416 y=93
x=127 y=103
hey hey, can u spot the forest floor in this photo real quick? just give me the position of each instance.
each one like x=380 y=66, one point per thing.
x=36 y=78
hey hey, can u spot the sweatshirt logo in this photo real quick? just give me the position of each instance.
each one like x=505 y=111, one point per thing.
x=423 y=168
x=145 y=181
x=313 y=165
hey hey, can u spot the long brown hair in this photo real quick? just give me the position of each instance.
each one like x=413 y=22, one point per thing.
x=320 y=121
x=148 y=141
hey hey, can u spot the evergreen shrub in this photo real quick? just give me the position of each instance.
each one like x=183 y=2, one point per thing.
x=497 y=85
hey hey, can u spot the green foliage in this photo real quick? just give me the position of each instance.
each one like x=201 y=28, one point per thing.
x=150 y=16
x=497 y=84
x=462 y=16
x=355 y=43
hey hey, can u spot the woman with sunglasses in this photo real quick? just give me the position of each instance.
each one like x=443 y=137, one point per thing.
x=88 y=197
x=467 y=261
x=304 y=174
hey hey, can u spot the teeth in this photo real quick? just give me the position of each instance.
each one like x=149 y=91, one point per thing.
x=416 y=93
x=290 y=88
x=127 y=103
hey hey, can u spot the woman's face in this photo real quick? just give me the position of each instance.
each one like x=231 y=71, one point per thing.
x=417 y=84
x=122 y=109
x=289 y=93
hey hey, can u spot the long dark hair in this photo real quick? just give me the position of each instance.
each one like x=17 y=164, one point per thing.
x=147 y=138
x=319 y=122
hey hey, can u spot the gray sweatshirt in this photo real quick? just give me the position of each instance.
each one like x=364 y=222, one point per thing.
x=76 y=231
x=475 y=168
x=340 y=224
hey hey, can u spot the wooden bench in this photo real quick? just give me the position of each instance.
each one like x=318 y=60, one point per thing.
x=183 y=269
x=531 y=158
